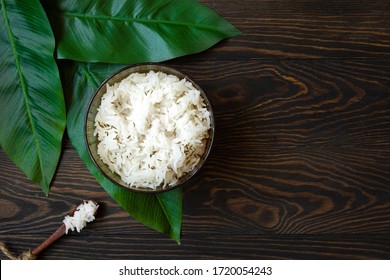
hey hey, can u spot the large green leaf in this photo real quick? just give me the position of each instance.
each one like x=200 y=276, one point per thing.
x=32 y=114
x=162 y=212
x=118 y=31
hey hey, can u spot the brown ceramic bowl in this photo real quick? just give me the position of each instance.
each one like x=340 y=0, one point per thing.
x=92 y=140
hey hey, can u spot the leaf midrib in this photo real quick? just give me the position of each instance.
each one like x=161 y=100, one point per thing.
x=165 y=211
x=23 y=86
x=140 y=20
x=90 y=78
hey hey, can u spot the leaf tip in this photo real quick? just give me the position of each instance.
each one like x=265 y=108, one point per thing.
x=46 y=192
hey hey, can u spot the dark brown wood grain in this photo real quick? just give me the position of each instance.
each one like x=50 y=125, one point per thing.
x=246 y=246
x=317 y=29
x=300 y=166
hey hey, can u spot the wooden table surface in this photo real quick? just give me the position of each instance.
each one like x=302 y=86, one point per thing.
x=300 y=168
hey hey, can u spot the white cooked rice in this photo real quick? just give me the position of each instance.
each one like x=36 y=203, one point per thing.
x=84 y=214
x=152 y=129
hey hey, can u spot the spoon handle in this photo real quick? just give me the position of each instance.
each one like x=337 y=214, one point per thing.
x=50 y=240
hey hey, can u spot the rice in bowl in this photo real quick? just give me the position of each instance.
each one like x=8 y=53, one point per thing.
x=152 y=129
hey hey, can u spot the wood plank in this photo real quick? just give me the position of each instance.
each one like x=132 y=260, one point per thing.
x=254 y=8
x=288 y=137
x=304 y=29
x=128 y=246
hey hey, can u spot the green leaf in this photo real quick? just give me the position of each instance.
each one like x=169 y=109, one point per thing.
x=162 y=212
x=32 y=114
x=117 y=31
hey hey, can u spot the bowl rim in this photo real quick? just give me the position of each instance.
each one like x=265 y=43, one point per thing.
x=204 y=156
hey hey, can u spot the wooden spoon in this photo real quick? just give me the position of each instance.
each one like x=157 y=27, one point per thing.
x=54 y=236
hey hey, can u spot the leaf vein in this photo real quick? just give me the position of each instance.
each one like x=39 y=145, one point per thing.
x=90 y=78
x=140 y=20
x=23 y=85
